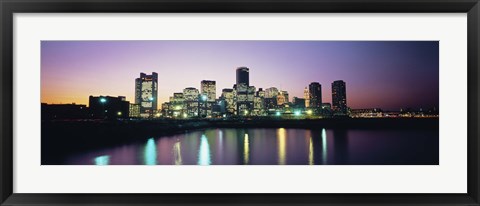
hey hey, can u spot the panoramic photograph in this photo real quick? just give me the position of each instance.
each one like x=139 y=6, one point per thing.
x=239 y=102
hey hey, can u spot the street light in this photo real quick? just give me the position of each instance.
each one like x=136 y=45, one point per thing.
x=103 y=100
x=297 y=113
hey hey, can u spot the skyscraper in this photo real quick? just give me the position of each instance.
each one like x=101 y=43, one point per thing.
x=208 y=88
x=244 y=92
x=190 y=95
x=242 y=76
x=146 y=92
x=228 y=96
x=315 y=95
x=339 y=97
x=271 y=92
x=306 y=96
x=208 y=95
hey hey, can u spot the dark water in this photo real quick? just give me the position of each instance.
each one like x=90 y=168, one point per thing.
x=275 y=147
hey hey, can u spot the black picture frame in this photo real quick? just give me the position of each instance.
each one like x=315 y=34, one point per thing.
x=9 y=7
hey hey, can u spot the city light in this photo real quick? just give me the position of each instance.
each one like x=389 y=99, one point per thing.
x=119 y=113
x=297 y=113
x=204 y=97
x=309 y=112
x=102 y=160
x=151 y=99
x=278 y=113
x=103 y=100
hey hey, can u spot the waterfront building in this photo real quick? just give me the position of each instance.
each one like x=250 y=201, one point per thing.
x=326 y=110
x=208 y=88
x=165 y=109
x=306 y=96
x=107 y=107
x=219 y=108
x=208 y=96
x=230 y=103
x=260 y=93
x=191 y=96
x=298 y=103
x=258 y=106
x=270 y=103
x=271 y=92
x=243 y=76
x=315 y=95
x=339 y=98
x=178 y=105
x=134 y=110
x=146 y=92
x=244 y=92
x=280 y=99
x=285 y=94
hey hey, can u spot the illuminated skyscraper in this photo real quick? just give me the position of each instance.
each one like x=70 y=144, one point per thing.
x=208 y=94
x=190 y=95
x=230 y=104
x=242 y=76
x=208 y=88
x=271 y=92
x=339 y=97
x=146 y=92
x=306 y=96
x=281 y=98
x=315 y=94
x=244 y=92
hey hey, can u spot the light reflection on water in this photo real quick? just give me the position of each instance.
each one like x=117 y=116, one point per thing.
x=150 y=152
x=274 y=147
x=204 y=152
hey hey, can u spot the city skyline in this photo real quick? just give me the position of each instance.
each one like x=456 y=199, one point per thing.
x=383 y=85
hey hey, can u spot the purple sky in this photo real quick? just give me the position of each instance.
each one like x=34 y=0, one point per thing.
x=386 y=74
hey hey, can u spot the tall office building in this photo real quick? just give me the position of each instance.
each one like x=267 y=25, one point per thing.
x=146 y=92
x=208 y=88
x=230 y=104
x=244 y=92
x=207 y=99
x=285 y=94
x=315 y=94
x=190 y=95
x=242 y=76
x=271 y=92
x=281 y=98
x=306 y=96
x=339 y=97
